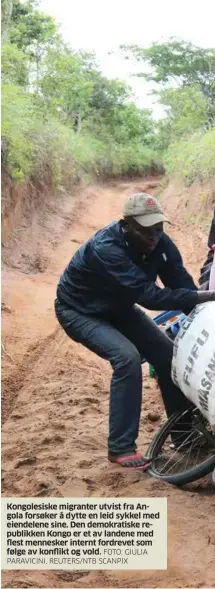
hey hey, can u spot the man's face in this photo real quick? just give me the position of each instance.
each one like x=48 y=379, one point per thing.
x=144 y=239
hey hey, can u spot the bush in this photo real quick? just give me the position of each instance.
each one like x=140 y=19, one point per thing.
x=41 y=147
x=18 y=119
x=193 y=158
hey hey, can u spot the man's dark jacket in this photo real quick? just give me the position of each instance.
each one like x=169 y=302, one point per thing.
x=211 y=238
x=206 y=268
x=106 y=276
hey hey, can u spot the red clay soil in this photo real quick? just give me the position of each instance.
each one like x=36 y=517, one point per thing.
x=55 y=406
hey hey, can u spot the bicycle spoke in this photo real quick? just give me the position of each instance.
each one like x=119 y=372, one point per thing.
x=187 y=445
x=176 y=454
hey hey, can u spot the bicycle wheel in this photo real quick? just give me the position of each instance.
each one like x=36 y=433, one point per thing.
x=191 y=456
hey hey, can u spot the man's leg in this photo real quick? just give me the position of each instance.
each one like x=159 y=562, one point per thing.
x=126 y=384
x=157 y=348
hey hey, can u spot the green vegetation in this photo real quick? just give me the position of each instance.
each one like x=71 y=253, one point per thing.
x=185 y=78
x=62 y=119
x=193 y=159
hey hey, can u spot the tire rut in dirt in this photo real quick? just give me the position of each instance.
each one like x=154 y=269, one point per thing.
x=12 y=385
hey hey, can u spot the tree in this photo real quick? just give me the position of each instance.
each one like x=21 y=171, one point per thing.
x=186 y=110
x=128 y=123
x=33 y=32
x=6 y=11
x=30 y=28
x=66 y=86
x=14 y=65
x=177 y=60
x=49 y=91
x=107 y=94
x=179 y=63
x=74 y=88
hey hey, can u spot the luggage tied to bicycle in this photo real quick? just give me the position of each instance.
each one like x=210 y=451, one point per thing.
x=193 y=364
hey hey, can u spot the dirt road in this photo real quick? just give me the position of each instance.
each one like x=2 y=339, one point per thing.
x=55 y=409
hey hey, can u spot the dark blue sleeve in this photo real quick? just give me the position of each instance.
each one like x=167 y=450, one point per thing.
x=206 y=268
x=129 y=281
x=172 y=271
x=211 y=238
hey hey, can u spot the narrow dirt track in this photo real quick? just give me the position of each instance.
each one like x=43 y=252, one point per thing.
x=55 y=408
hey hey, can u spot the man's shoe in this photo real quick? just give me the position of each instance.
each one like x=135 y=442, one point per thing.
x=131 y=459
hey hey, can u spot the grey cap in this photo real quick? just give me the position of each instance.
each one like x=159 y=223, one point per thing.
x=145 y=209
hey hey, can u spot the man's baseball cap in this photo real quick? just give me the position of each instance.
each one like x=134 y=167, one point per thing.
x=145 y=209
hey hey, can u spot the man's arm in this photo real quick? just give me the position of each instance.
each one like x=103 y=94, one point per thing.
x=206 y=268
x=205 y=271
x=211 y=238
x=171 y=270
x=129 y=280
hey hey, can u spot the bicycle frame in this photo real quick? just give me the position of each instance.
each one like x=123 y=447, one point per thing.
x=165 y=318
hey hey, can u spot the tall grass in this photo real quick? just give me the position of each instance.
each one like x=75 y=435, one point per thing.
x=39 y=146
x=192 y=158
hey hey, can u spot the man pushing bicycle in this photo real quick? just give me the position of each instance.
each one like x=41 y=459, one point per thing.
x=96 y=304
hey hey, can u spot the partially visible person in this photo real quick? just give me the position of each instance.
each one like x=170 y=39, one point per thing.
x=205 y=271
x=206 y=268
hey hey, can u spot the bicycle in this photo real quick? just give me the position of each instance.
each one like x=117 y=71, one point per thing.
x=192 y=454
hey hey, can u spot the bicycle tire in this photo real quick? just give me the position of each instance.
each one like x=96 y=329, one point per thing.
x=185 y=477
